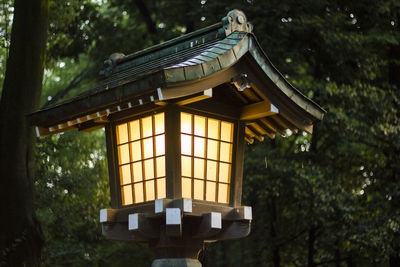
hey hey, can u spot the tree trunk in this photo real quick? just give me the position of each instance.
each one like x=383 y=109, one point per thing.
x=146 y=15
x=394 y=258
x=394 y=261
x=350 y=262
x=337 y=258
x=274 y=232
x=225 y=254
x=394 y=79
x=312 y=236
x=21 y=237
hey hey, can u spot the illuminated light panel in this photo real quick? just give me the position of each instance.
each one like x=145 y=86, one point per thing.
x=148 y=169
x=141 y=159
x=198 y=168
x=186 y=166
x=122 y=133
x=186 y=123
x=148 y=148
x=199 y=147
x=198 y=189
x=127 y=198
x=160 y=145
x=211 y=190
x=125 y=174
x=161 y=188
x=211 y=170
x=136 y=151
x=123 y=153
x=135 y=130
x=186 y=144
x=137 y=171
x=160 y=169
x=186 y=187
x=139 y=197
x=206 y=157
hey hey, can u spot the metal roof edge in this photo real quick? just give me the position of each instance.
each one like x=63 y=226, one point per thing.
x=102 y=89
x=235 y=20
x=211 y=61
x=279 y=80
x=171 y=42
x=102 y=99
x=117 y=61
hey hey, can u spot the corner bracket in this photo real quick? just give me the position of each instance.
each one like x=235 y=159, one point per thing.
x=241 y=82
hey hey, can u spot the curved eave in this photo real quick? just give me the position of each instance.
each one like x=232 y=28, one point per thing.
x=133 y=87
x=284 y=86
x=142 y=90
x=215 y=65
x=178 y=76
x=209 y=65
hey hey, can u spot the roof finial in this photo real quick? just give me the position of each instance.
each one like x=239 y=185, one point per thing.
x=236 y=20
x=110 y=63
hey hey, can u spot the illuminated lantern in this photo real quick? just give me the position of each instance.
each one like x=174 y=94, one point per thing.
x=177 y=116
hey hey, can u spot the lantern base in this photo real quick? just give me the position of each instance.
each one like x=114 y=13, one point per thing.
x=176 y=229
x=176 y=262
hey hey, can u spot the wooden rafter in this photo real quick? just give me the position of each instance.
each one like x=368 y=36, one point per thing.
x=258 y=110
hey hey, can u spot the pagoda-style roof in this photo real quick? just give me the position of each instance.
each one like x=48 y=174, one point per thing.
x=222 y=64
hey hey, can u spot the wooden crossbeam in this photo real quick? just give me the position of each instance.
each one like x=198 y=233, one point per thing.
x=249 y=132
x=233 y=230
x=108 y=215
x=258 y=110
x=42 y=131
x=249 y=139
x=258 y=135
x=211 y=224
x=240 y=213
x=195 y=98
x=139 y=224
x=265 y=130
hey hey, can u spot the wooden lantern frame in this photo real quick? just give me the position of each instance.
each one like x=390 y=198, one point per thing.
x=219 y=71
x=172 y=154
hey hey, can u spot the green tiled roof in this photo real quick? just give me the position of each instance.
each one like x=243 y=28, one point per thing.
x=182 y=67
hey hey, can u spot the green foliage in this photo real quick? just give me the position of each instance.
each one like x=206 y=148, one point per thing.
x=71 y=188
x=65 y=73
x=6 y=16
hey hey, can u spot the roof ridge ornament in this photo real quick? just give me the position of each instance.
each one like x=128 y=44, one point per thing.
x=110 y=63
x=236 y=20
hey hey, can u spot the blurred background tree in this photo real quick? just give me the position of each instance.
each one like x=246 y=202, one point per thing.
x=24 y=53
x=330 y=199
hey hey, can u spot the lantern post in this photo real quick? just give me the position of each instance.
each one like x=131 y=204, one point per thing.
x=177 y=117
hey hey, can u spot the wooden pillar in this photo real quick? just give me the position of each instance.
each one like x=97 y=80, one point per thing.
x=237 y=172
x=173 y=152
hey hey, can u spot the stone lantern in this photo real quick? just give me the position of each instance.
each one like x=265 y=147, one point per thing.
x=177 y=116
